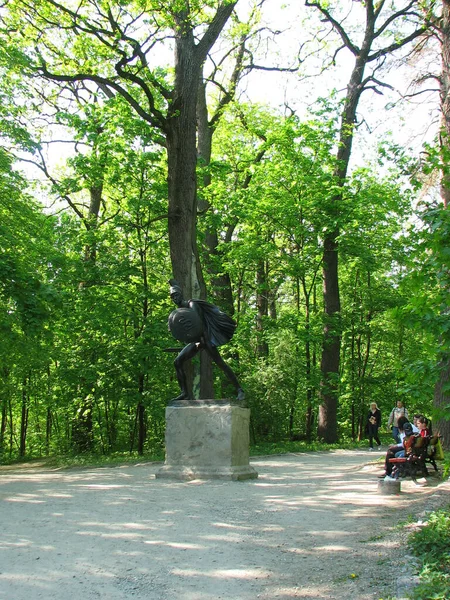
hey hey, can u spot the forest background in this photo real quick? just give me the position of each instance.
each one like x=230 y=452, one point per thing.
x=287 y=162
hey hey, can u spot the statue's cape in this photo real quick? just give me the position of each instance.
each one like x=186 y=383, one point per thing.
x=219 y=327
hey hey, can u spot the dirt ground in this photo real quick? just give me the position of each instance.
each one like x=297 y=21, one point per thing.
x=312 y=526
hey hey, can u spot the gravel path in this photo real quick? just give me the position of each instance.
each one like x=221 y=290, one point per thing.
x=312 y=526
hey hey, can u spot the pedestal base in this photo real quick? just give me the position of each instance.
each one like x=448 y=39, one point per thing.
x=190 y=473
x=207 y=440
x=389 y=488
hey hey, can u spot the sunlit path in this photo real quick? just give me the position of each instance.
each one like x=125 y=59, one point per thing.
x=309 y=527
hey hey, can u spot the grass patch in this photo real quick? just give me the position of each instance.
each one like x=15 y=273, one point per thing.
x=89 y=460
x=408 y=520
x=109 y=460
x=285 y=447
x=431 y=545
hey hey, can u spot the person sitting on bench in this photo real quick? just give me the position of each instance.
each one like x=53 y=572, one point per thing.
x=423 y=426
x=398 y=450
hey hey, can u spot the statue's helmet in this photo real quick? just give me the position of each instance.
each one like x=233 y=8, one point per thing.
x=174 y=287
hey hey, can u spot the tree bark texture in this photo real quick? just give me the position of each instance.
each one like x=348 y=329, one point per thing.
x=445 y=100
x=441 y=402
x=181 y=132
x=262 y=306
x=441 y=393
x=182 y=161
x=181 y=138
x=24 y=419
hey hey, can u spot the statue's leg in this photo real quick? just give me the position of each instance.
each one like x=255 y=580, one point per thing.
x=214 y=353
x=187 y=353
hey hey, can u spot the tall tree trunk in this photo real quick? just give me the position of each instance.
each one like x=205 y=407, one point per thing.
x=441 y=402
x=204 y=141
x=441 y=393
x=327 y=427
x=142 y=430
x=445 y=101
x=329 y=366
x=24 y=418
x=3 y=423
x=181 y=130
x=220 y=279
x=262 y=306
x=181 y=157
x=48 y=431
x=4 y=407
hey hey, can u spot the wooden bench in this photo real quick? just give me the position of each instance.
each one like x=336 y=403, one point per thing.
x=419 y=452
x=431 y=451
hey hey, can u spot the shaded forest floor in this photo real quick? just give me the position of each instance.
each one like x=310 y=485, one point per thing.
x=312 y=526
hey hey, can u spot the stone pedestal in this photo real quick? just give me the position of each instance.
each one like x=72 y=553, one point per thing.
x=389 y=488
x=207 y=440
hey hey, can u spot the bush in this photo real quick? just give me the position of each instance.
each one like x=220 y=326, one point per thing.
x=431 y=545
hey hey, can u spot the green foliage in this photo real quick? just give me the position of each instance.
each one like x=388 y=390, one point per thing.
x=272 y=177
x=26 y=248
x=430 y=545
x=101 y=360
x=84 y=294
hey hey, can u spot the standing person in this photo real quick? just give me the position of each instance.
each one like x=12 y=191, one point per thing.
x=397 y=412
x=373 y=423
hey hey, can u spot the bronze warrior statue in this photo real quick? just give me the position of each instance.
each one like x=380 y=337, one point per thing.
x=202 y=326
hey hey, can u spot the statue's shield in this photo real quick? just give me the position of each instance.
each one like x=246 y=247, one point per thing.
x=185 y=324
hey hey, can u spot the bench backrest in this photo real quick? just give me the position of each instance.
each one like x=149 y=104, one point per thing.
x=416 y=445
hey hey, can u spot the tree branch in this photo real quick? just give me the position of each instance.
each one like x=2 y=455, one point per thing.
x=214 y=29
x=43 y=167
x=336 y=26
x=420 y=92
x=142 y=85
x=103 y=81
x=400 y=13
x=110 y=39
x=230 y=93
x=378 y=9
x=397 y=45
x=377 y=82
x=137 y=53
